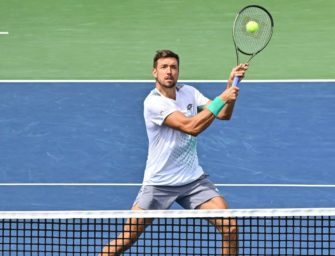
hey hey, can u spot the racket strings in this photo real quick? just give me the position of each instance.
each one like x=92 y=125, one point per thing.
x=251 y=43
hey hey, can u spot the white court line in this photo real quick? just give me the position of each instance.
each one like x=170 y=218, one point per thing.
x=4 y=33
x=180 y=81
x=23 y=184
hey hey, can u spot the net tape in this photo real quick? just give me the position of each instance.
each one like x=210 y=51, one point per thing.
x=177 y=232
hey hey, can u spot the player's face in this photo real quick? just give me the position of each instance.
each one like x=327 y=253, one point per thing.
x=166 y=72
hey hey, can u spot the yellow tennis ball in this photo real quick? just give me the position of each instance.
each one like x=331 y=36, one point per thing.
x=252 y=26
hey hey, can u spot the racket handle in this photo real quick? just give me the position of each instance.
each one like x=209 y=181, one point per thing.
x=237 y=80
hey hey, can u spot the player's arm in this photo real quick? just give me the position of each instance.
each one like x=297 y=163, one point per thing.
x=196 y=124
x=227 y=111
x=191 y=125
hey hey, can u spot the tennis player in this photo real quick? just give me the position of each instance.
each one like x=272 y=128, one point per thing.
x=174 y=115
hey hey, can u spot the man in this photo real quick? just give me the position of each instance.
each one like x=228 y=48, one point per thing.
x=174 y=115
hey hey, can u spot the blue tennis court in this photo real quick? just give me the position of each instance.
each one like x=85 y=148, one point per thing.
x=82 y=145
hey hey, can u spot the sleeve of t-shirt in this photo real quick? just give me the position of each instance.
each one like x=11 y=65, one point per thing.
x=156 y=110
x=200 y=99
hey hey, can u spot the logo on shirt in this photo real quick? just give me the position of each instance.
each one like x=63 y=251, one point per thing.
x=189 y=110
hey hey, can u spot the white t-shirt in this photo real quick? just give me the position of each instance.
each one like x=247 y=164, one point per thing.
x=172 y=155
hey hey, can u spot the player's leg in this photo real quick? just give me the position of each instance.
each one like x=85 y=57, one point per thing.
x=132 y=229
x=202 y=194
x=149 y=197
x=226 y=226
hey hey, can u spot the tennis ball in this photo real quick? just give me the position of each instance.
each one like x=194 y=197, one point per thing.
x=252 y=26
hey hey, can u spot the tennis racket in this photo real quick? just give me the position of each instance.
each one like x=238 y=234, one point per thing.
x=248 y=41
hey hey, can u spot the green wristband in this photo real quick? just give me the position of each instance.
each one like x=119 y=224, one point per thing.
x=216 y=105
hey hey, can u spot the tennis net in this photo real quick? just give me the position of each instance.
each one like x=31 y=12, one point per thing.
x=173 y=232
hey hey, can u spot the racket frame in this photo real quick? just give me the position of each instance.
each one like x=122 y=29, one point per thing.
x=237 y=49
x=237 y=79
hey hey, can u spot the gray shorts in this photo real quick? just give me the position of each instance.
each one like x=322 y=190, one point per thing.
x=189 y=196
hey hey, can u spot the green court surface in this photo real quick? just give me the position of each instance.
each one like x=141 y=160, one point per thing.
x=116 y=39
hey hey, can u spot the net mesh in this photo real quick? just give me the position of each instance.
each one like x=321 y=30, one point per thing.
x=224 y=232
x=252 y=42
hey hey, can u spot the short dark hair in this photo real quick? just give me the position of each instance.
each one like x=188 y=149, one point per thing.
x=164 y=54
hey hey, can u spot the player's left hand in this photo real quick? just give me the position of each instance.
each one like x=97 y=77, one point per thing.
x=238 y=71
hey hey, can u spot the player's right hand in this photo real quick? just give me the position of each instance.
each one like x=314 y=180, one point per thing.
x=230 y=94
